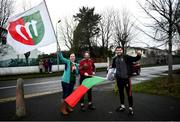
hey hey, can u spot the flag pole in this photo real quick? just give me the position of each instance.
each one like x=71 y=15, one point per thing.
x=58 y=46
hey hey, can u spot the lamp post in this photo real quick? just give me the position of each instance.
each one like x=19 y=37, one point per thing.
x=57 y=43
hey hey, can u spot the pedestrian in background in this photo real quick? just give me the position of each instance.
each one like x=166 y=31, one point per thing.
x=50 y=63
x=41 y=67
x=45 y=63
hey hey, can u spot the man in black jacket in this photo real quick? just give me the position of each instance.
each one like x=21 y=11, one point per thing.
x=123 y=65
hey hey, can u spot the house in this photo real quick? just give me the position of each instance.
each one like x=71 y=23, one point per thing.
x=154 y=55
x=132 y=51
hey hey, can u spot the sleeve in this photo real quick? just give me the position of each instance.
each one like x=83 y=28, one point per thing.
x=64 y=60
x=133 y=59
x=113 y=63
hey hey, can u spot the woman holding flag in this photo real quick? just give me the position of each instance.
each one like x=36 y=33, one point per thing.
x=68 y=80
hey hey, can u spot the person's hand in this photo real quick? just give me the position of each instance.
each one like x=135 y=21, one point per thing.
x=59 y=49
x=74 y=68
x=138 y=53
x=93 y=73
x=86 y=74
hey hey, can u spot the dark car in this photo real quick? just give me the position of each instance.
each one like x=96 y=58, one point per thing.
x=136 y=68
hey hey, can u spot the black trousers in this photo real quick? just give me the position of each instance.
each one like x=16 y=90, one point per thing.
x=67 y=88
x=50 y=68
x=121 y=83
x=89 y=92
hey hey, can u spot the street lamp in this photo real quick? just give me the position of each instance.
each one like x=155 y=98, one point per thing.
x=57 y=43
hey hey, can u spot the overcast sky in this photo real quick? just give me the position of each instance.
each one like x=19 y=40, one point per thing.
x=59 y=9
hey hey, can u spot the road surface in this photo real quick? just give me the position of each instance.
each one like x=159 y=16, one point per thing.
x=39 y=86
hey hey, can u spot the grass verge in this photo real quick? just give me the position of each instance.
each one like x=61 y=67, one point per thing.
x=160 y=86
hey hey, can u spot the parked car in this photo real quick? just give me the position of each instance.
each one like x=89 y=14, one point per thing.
x=136 y=68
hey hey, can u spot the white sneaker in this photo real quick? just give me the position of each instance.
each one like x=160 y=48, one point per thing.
x=131 y=112
x=121 y=108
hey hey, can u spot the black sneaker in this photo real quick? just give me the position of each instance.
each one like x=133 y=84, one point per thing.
x=91 y=107
x=131 y=112
x=121 y=108
x=83 y=108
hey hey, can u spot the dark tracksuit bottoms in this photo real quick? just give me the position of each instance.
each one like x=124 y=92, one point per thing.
x=121 y=83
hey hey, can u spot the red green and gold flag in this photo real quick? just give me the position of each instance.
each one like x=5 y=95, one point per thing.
x=88 y=83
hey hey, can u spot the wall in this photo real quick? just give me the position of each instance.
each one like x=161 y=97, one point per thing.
x=35 y=69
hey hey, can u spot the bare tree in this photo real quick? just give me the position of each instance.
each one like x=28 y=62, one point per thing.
x=123 y=29
x=165 y=14
x=106 y=26
x=66 y=31
x=6 y=9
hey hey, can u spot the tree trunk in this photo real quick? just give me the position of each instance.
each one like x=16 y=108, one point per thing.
x=170 y=58
x=103 y=47
x=124 y=51
x=171 y=81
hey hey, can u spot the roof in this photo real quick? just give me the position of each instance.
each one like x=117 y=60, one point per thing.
x=137 y=48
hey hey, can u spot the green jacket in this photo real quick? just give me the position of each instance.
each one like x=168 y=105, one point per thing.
x=67 y=71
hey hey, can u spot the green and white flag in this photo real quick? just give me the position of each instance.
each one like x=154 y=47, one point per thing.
x=30 y=30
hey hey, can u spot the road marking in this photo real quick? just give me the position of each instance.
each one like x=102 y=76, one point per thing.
x=30 y=84
x=8 y=87
x=30 y=95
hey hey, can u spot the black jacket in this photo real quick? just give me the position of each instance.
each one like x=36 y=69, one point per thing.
x=129 y=61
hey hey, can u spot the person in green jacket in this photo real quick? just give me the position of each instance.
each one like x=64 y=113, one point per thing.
x=68 y=80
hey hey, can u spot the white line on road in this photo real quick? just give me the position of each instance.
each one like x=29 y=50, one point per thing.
x=31 y=84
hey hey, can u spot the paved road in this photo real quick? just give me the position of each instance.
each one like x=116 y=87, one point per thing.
x=146 y=107
x=152 y=72
x=52 y=84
